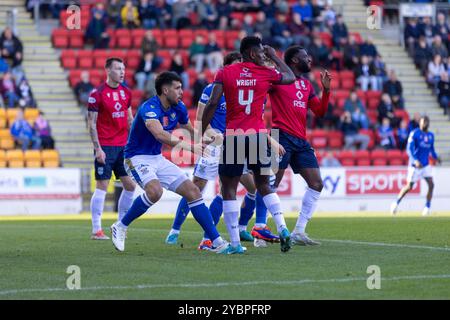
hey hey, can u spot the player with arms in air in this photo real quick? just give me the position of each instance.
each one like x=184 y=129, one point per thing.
x=420 y=147
x=290 y=104
x=109 y=119
x=245 y=86
x=152 y=127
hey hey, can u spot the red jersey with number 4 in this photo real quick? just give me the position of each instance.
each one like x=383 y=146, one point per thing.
x=245 y=86
x=290 y=105
x=112 y=106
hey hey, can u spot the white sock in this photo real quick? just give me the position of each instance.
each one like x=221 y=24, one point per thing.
x=273 y=204
x=260 y=225
x=218 y=242
x=309 y=205
x=231 y=218
x=173 y=231
x=97 y=205
x=125 y=202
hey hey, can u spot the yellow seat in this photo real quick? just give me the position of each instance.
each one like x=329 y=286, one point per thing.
x=50 y=158
x=14 y=158
x=33 y=159
x=2 y=159
x=31 y=114
x=5 y=133
x=11 y=115
x=3 y=118
x=7 y=143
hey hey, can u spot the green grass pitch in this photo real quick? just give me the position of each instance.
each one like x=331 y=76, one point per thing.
x=413 y=255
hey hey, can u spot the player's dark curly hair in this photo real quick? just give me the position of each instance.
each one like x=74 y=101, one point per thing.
x=165 y=78
x=232 y=56
x=248 y=43
x=291 y=52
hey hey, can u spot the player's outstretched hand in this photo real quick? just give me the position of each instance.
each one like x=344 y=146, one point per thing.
x=325 y=78
x=100 y=156
x=269 y=51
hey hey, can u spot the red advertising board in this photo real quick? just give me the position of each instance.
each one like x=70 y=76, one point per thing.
x=382 y=181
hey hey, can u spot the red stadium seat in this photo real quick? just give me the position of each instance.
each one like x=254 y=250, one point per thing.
x=372 y=94
x=358 y=38
x=137 y=35
x=371 y=135
x=403 y=114
x=231 y=37
x=69 y=59
x=395 y=157
x=133 y=59
x=60 y=38
x=76 y=38
x=85 y=59
x=346 y=158
x=319 y=139
x=74 y=77
x=170 y=37
x=136 y=98
x=187 y=98
x=100 y=57
x=362 y=158
x=373 y=103
x=335 y=139
x=378 y=157
x=326 y=38
x=123 y=38
x=372 y=115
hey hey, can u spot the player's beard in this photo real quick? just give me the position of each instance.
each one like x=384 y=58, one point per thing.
x=304 y=67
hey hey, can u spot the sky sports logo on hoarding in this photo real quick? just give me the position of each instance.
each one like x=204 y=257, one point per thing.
x=377 y=182
x=34 y=182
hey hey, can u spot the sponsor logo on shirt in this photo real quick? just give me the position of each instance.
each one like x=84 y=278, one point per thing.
x=299 y=103
x=115 y=96
x=118 y=114
x=122 y=95
x=92 y=100
x=173 y=115
x=151 y=114
x=245 y=73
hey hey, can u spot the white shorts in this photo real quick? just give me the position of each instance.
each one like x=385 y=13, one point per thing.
x=144 y=168
x=415 y=174
x=207 y=168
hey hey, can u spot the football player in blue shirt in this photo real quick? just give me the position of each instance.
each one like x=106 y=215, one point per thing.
x=152 y=127
x=420 y=147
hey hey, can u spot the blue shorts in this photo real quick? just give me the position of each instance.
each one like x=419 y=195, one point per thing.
x=299 y=153
x=113 y=162
x=250 y=150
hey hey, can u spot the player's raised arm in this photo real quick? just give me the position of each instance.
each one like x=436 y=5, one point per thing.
x=320 y=106
x=211 y=106
x=287 y=76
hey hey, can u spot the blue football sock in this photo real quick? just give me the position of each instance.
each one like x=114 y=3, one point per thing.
x=261 y=210
x=428 y=204
x=202 y=215
x=182 y=213
x=216 y=209
x=247 y=209
x=138 y=208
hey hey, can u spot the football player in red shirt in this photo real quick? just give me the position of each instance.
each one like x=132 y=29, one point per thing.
x=290 y=104
x=245 y=86
x=109 y=119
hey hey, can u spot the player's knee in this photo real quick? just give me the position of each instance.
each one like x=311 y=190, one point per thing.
x=102 y=184
x=316 y=185
x=154 y=193
x=193 y=194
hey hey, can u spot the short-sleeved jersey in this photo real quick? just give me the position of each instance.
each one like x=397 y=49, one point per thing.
x=420 y=146
x=112 y=106
x=219 y=118
x=141 y=141
x=245 y=86
x=290 y=106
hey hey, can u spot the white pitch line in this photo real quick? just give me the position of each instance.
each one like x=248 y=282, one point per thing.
x=224 y=284
x=367 y=243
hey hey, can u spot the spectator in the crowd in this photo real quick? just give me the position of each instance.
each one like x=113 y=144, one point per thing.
x=320 y=53
x=300 y=31
x=4 y=67
x=44 y=132
x=281 y=6
x=269 y=8
x=411 y=35
x=317 y=8
x=339 y=32
x=25 y=94
x=113 y=10
x=207 y=14
x=214 y=57
x=442 y=28
x=386 y=110
x=386 y=134
x=100 y=8
x=435 y=69
x=422 y=55
x=11 y=47
x=414 y=122
x=351 y=135
x=263 y=26
x=197 y=53
x=149 y=43
x=394 y=89
x=145 y=73
x=177 y=66
x=224 y=10
x=330 y=161
x=328 y=16
x=130 y=15
x=83 y=89
x=181 y=10
x=237 y=43
x=96 y=31
x=402 y=135
x=281 y=35
x=198 y=87
x=23 y=134
x=164 y=13
x=444 y=92
x=426 y=30
x=368 y=49
x=366 y=74
x=247 y=24
x=147 y=14
x=8 y=90
x=438 y=48
x=304 y=8
x=357 y=110
x=380 y=71
x=351 y=53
